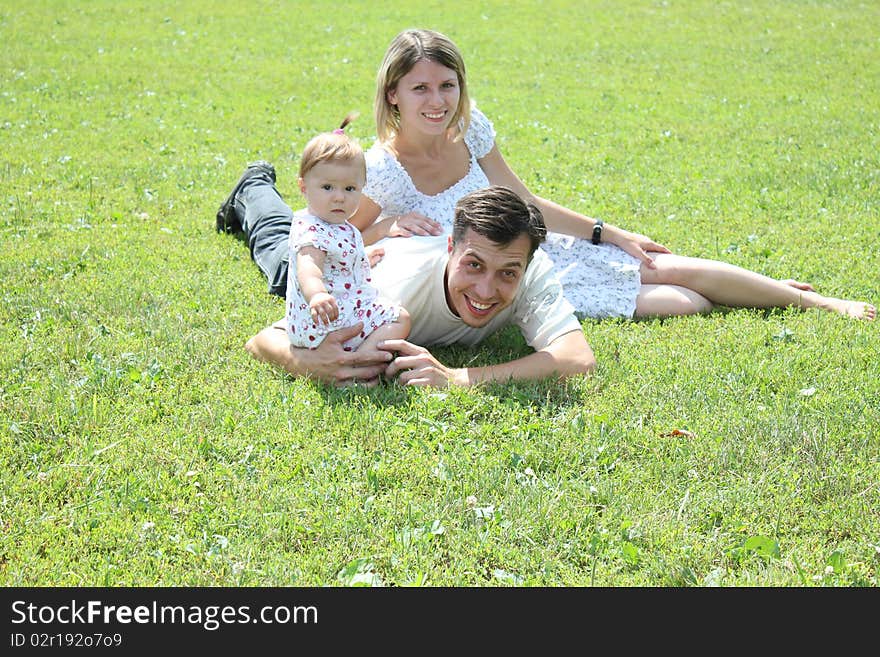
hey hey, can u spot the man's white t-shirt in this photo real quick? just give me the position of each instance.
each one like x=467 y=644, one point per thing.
x=412 y=273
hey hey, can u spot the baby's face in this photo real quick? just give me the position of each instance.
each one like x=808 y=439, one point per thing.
x=333 y=190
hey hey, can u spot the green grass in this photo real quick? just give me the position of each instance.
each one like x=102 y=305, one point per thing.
x=140 y=445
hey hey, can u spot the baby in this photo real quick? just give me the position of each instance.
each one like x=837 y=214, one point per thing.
x=328 y=284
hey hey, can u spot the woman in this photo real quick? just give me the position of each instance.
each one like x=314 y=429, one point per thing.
x=433 y=147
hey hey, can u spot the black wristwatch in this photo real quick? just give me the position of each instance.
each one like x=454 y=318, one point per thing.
x=597 y=231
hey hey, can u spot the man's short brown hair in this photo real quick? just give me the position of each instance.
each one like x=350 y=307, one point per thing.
x=499 y=214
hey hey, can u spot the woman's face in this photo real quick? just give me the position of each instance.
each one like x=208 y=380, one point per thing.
x=427 y=98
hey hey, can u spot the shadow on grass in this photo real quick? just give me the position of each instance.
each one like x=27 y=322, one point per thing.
x=765 y=313
x=241 y=237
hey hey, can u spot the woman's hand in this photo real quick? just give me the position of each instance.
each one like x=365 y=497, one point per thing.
x=413 y=223
x=635 y=244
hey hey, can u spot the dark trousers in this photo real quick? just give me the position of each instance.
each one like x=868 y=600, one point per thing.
x=266 y=219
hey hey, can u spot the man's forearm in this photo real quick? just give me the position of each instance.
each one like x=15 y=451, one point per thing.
x=566 y=356
x=272 y=346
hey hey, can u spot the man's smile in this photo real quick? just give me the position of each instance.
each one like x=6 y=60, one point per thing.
x=478 y=308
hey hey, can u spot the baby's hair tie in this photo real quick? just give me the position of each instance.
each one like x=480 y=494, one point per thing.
x=351 y=116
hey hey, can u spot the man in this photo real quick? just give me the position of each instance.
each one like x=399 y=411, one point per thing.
x=490 y=275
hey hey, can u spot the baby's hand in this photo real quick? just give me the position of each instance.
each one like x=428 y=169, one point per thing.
x=374 y=254
x=323 y=308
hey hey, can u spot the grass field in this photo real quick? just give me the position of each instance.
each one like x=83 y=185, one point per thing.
x=141 y=445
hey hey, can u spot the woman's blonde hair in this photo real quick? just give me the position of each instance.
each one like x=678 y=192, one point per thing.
x=333 y=146
x=406 y=50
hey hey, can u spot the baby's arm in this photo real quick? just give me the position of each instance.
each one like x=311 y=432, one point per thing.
x=310 y=274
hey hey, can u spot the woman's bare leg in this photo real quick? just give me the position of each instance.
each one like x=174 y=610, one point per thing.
x=670 y=301
x=728 y=285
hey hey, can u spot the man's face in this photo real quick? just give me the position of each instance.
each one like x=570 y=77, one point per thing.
x=482 y=277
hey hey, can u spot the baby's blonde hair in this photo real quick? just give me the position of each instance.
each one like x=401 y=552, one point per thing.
x=333 y=146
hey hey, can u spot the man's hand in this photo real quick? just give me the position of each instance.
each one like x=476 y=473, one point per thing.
x=329 y=363
x=333 y=364
x=416 y=366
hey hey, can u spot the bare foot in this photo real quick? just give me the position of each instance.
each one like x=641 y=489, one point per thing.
x=854 y=309
x=798 y=285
